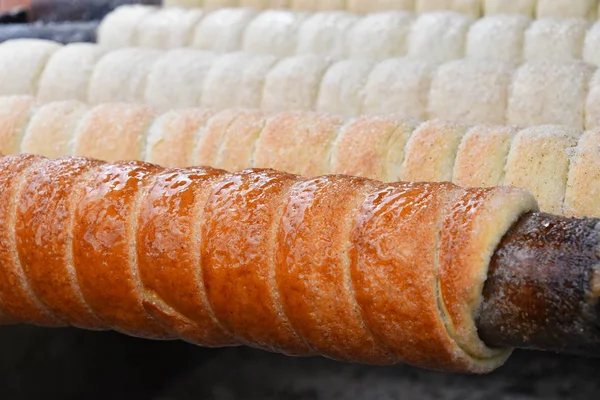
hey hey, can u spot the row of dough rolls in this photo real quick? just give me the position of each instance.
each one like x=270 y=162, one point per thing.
x=473 y=91
x=162 y=266
x=476 y=8
x=438 y=36
x=559 y=165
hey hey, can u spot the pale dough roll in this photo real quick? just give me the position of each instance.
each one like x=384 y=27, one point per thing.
x=468 y=242
x=365 y=7
x=22 y=62
x=399 y=86
x=591 y=45
x=372 y=147
x=51 y=131
x=298 y=143
x=439 y=36
x=293 y=84
x=592 y=104
x=167 y=28
x=118 y=28
x=555 y=39
x=549 y=93
x=380 y=36
x=68 y=73
x=172 y=137
x=273 y=32
x=223 y=30
x=216 y=4
x=317 y=5
x=15 y=114
x=582 y=197
x=121 y=76
x=114 y=132
x=469 y=7
x=265 y=4
x=325 y=34
x=524 y=7
x=482 y=156
x=565 y=9
x=539 y=161
x=342 y=90
x=471 y=91
x=210 y=137
x=237 y=80
x=431 y=151
x=498 y=37
x=176 y=80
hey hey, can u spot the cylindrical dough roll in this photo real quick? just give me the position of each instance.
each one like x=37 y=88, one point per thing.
x=173 y=135
x=237 y=80
x=294 y=83
x=265 y=4
x=469 y=7
x=22 y=62
x=525 y=7
x=177 y=78
x=572 y=8
x=482 y=156
x=342 y=89
x=471 y=91
x=167 y=28
x=371 y=6
x=539 y=160
x=582 y=197
x=240 y=141
x=114 y=132
x=15 y=114
x=68 y=72
x=431 y=151
x=439 y=36
x=498 y=37
x=380 y=36
x=326 y=34
x=210 y=137
x=555 y=39
x=399 y=86
x=223 y=30
x=118 y=29
x=273 y=32
x=550 y=93
x=299 y=142
x=591 y=44
x=592 y=104
x=372 y=147
x=122 y=75
x=51 y=131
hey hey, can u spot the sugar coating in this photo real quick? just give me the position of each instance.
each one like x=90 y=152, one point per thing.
x=222 y=30
x=591 y=45
x=15 y=114
x=167 y=28
x=273 y=32
x=498 y=37
x=176 y=79
x=471 y=91
x=22 y=62
x=293 y=84
x=68 y=72
x=539 y=161
x=583 y=185
x=555 y=39
x=237 y=80
x=324 y=34
x=524 y=7
x=119 y=28
x=121 y=75
x=439 y=36
x=573 y=8
x=399 y=86
x=550 y=93
x=342 y=89
x=380 y=35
